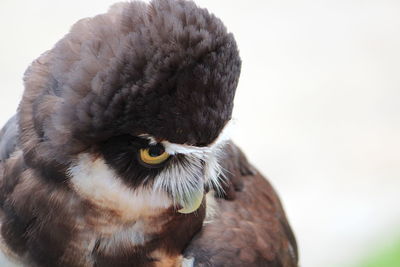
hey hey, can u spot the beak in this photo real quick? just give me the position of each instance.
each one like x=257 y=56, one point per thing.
x=193 y=203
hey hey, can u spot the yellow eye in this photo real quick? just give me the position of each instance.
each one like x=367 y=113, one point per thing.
x=153 y=155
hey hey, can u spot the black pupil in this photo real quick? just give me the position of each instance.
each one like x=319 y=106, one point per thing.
x=155 y=151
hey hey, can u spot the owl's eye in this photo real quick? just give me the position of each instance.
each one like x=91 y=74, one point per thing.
x=153 y=155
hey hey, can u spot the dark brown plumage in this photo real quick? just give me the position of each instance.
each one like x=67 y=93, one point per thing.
x=75 y=188
x=250 y=228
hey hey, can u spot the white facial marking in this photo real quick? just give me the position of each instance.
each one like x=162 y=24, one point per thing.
x=202 y=167
x=181 y=179
x=185 y=178
x=172 y=148
x=95 y=181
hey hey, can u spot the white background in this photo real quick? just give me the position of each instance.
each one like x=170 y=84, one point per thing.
x=317 y=108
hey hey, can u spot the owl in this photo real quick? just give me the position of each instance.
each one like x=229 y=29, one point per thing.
x=119 y=153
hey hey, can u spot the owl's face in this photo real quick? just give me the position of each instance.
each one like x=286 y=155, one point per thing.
x=139 y=173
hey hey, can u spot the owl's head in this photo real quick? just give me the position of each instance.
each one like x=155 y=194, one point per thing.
x=131 y=106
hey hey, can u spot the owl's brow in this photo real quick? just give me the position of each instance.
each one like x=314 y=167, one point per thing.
x=173 y=148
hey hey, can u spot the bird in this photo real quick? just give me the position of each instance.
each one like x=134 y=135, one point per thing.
x=119 y=153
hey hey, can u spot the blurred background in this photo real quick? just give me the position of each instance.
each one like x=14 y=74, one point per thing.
x=317 y=109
